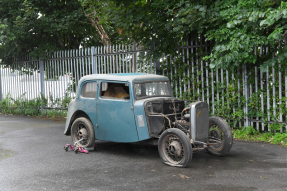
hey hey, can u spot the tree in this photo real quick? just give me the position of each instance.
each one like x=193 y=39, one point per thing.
x=39 y=27
x=235 y=26
x=92 y=12
x=244 y=25
x=107 y=29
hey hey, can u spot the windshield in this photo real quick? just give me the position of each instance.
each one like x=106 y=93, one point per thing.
x=152 y=89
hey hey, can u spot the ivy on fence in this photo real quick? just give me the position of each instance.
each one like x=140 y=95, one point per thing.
x=245 y=93
x=225 y=90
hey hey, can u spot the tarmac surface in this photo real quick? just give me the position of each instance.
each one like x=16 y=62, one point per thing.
x=32 y=157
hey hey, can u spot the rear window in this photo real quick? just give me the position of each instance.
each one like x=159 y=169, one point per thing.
x=89 y=90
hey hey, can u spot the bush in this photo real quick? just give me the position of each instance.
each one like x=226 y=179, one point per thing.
x=23 y=106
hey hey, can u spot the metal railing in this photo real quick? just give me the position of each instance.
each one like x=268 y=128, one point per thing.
x=56 y=78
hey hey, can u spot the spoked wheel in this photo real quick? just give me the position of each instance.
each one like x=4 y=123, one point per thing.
x=83 y=128
x=220 y=137
x=175 y=148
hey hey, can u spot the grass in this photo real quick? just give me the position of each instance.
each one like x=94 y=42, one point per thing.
x=23 y=106
x=57 y=115
x=251 y=134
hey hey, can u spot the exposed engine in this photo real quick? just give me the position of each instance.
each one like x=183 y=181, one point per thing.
x=171 y=113
x=166 y=113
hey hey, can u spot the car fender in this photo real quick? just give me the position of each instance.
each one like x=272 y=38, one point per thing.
x=71 y=113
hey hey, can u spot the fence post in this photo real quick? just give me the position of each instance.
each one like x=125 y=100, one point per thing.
x=42 y=84
x=0 y=91
x=157 y=63
x=94 y=68
x=246 y=96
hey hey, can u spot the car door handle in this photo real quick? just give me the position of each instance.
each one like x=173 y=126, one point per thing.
x=132 y=108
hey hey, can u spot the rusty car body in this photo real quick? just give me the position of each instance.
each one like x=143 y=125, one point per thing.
x=138 y=107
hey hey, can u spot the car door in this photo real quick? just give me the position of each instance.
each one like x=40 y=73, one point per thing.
x=88 y=101
x=115 y=115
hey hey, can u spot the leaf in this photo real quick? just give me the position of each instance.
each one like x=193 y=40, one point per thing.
x=263 y=68
x=203 y=9
x=211 y=65
x=262 y=22
x=261 y=14
x=262 y=177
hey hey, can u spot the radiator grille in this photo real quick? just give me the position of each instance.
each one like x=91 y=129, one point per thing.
x=199 y=121
x=202 y=117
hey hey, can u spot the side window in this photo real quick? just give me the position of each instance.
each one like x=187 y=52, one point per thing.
x=111 y=90
x=89 y=90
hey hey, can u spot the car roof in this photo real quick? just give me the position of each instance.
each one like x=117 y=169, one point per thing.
x=131 y=77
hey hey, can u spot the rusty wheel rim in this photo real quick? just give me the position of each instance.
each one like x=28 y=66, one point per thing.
x=216 y=133
x=82 y=132
x=173 y=149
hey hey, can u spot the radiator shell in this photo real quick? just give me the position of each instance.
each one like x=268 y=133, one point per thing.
x=199 y=121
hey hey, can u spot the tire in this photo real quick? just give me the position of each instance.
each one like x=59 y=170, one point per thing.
x=219 y=129
x=83 y=127
x=174 y=148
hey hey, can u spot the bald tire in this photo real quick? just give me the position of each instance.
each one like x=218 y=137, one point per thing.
x=220 y=125
x=180 y=137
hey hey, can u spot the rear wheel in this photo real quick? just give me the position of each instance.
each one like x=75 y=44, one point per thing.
x=174 y=148
x=220 y=137
x=83 y=128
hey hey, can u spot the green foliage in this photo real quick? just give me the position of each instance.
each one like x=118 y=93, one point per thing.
x=23 y=106
x=244 y=25
x=224 y=90
x=251 y=131
x=251 y=134
x=65 y=101
x=276 y=126
x=149 y=23
x=57 y=113
x=35 y=28
x=235 y=27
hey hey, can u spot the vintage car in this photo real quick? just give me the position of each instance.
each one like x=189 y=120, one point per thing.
x=140 y=108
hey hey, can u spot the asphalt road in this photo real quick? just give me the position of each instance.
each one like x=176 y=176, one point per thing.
x=32 y=158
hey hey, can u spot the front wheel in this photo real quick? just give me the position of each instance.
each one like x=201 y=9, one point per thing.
x=220 y=137
x=174 y=148
x=83 y=128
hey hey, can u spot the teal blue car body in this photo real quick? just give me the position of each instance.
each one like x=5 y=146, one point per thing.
x=114 y=120
x=139 y=107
